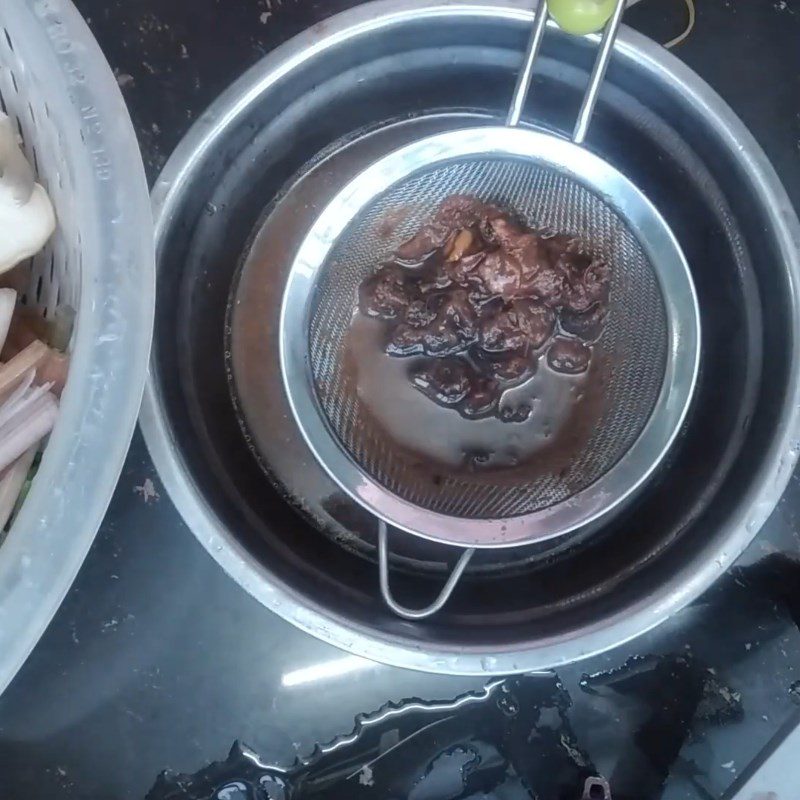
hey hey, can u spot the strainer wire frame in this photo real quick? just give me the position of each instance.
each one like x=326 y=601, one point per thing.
x=582 y=166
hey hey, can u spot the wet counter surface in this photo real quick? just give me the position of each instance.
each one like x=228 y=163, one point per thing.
x=158 y=660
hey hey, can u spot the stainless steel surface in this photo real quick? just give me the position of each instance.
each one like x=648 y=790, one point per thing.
x=689 y=537
x=525 y=75
x=646 y=396
x=441 y=598
x=598 y=73
x=75 y=130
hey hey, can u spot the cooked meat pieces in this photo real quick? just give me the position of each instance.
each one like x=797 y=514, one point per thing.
x=587 y=284
x=420 y=312
x=482 y=398
x=445 y=380
x=551 y=268
x=509 y=367
x=455 y=383
x=455 y=213
x=463 y=270
x=570 y=356
x=587 y=325
x=387 y=293
x=516 y=269
x=548 y=283
x=499 y=274
x=424 y=243
x=481 y=296
x=452 y=330
x=528 y=254
x=522 y=325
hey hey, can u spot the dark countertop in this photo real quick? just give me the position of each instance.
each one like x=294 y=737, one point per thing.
x=157 y=659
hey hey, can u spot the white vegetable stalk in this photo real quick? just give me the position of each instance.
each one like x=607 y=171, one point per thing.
x=27 y=423
x=11 y=484
x=27 y=411
x=27 y=218
x=13 y=371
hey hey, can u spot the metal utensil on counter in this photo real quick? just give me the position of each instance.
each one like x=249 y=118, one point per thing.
x=652 y=335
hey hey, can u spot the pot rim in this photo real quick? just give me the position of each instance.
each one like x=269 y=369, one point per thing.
x=616 y=628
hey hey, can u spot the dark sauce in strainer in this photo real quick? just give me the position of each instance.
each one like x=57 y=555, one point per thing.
x=475 y=298
x=491 y=319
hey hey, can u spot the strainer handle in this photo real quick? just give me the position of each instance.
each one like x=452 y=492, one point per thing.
x=442 y=598
x=596 y=79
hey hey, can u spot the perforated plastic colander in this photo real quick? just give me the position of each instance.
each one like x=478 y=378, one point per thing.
x=647 y=357
x=76 y=133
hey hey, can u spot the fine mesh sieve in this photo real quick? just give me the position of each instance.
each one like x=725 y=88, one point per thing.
x=634 y=398
x=632 y=375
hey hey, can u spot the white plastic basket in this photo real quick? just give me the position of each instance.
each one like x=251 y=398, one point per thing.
x=56 y=84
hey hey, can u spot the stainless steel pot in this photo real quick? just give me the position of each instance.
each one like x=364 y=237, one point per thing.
x=383 y=69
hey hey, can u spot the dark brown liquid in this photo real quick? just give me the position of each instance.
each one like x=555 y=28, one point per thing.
x=564 y=409
x=482 y=296
x=449 y=353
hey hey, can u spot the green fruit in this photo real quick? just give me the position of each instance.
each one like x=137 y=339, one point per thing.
x=581 y=16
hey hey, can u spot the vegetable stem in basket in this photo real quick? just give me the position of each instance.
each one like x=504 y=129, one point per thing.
x=13 y=371
x=33 y=373
x=11 y=484
x=16 y=438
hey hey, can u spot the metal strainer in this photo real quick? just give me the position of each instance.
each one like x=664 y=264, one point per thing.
x=412 y=467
